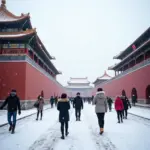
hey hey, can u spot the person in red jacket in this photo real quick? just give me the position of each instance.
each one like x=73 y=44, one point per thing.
x=119 y=107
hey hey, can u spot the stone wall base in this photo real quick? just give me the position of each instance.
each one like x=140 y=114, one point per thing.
x=140 y=101
x=27 y=104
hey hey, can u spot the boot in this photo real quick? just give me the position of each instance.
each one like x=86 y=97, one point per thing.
x=118 y=121
x=101 y=131
x=36 y=119
x=10 y=128
x=62 y=132
x=122 y=121
x=67 y=132
x=13 y=129
x=62 y=137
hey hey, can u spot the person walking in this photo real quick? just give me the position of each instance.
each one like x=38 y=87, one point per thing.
x=126 y=105
x=63 y=107
x=56 y=100
x=39 y=105
x=52 y=101
x=13 y=104
x=109 y=101
x=119 y=108
x=100 y=108
x=78 y=105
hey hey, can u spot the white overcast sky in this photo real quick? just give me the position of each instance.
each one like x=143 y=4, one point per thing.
x=84 y=35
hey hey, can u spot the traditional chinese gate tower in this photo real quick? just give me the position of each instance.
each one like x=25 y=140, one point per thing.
x=81 y=85
x=25 y=64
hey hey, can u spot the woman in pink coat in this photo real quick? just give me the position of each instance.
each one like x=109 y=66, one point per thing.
x=40 y=105
x=119 y=108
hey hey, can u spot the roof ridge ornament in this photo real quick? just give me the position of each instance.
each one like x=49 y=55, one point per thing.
x=3 y=3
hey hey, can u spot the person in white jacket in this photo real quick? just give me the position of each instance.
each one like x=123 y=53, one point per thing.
x=100 y=101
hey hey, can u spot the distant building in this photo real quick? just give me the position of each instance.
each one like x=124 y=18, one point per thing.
x=102 y=79
x=81 y=85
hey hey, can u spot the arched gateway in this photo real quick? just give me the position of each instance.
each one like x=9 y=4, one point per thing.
x=148 y=94
x=123 y=93
x=134 y=94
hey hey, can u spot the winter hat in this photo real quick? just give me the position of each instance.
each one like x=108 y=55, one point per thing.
x=78 y=93
x=13 y=92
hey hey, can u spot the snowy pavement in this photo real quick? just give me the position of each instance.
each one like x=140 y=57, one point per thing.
x=140 y=111
x=133 y=134
x=24 y=113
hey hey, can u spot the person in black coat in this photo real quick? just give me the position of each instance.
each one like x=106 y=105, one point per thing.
x=109 y=101
x=78 y=105
x=63 y=107
x=13 y=103
x=126 y=104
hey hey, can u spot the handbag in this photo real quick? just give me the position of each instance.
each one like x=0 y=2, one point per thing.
x=36 y=105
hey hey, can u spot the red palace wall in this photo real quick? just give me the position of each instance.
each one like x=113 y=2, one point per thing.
x=139 y=79
x=12 y=76
x=37 y=81
x=27 y=80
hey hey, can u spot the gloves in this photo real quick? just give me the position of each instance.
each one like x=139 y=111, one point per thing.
x=19 y=112
x=1 y=108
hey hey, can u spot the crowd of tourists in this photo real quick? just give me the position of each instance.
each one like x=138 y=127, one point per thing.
x=62 y=104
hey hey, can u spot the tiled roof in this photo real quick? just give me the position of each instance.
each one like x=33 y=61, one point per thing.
x=7 y=16
x=79 y=87
x=16 y=34
x=105 y=76
x=79 y=81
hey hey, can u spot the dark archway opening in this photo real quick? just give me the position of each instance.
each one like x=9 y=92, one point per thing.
x=134 y=95
x=148 y=94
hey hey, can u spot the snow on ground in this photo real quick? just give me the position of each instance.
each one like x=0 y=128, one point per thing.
x=130 y=135
x=3 y=114
x=133 y=134
x=140 y=111
x=27 y=131
x=79 y=138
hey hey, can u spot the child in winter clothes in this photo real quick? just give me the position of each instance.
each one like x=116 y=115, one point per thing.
x=119 y=108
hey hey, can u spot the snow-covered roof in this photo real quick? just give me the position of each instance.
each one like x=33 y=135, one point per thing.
x=17 y=34
x=7 y=16
x=105 y=76
x=78 y=87
x=78 y=81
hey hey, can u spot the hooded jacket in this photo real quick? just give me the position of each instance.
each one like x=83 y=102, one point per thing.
x=100 y=102
x=63 y=107
x=119 y=104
